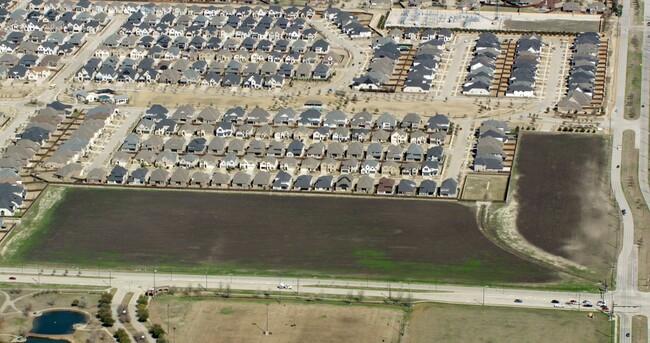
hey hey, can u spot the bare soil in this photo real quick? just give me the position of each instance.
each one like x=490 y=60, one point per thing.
x=408 y=240
x=564 y=199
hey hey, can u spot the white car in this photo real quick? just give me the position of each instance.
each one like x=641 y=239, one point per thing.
x=284 y=286
x=558 y=305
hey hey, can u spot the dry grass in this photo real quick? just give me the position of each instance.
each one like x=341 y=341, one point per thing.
x=217 y=320
x=467 y=323
x=484 y=187
x=639 y=329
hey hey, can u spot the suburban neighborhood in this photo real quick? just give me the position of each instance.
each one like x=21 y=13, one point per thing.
x=268 y=160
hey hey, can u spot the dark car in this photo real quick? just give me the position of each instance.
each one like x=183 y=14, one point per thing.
x=12 y=278
x=519 y=301
x=555 y=301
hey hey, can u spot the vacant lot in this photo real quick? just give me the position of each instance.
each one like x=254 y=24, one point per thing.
x=563 y=192
x=485 y=187
x=466 y=323
x=214 y=320
x=409 y=240
x=551 y=25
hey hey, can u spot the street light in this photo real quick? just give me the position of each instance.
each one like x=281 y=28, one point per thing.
x=154 y=283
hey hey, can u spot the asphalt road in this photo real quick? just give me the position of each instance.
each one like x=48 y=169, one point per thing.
x=627 y=293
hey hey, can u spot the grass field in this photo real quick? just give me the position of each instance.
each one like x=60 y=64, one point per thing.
x=467 y=323
x=484 y=187
x=564 y=201
x=639 y=329
x=269 y=234
x=634 y=60
x=207 y=320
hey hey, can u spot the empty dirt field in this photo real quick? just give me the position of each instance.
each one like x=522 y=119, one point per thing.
x=563 y=198
x=265 y=233
x=482 y=187
x=200 y=320
x=467 y=323
x=551 y=25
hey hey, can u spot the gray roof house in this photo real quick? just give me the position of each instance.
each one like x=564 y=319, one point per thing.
x=303 y=183
x=449 y=188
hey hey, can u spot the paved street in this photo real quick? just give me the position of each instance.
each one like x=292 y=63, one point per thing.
x=459 y=149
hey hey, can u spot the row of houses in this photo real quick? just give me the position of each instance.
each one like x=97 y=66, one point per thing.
x=348 y=24
x=263 y=180
x=582 y=74
x=483 y=65
x=524 y=69
x=241 y=25
x=41 y=43
x=183 y=72
x=122 y=7
x=27 y=21
x=82 y=140
x=489 y=154
x=259 y=117
x=423 y=70
x=27 y=143
x=426 y=166
x=381 y=67
x=593 y=7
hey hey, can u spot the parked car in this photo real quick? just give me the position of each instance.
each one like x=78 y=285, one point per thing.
x=558 y=305
x=604 y=308
x=572 y=302
x=601 y=303
x=519 y=301
x=12 y=278
x=284 y=286
x=555 y=301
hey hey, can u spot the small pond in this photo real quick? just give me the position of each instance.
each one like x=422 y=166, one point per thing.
x=57 y=322
x=45 y=340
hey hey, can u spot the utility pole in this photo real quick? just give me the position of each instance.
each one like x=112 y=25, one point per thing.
x=483 y=295
x=168 y=318
x=206 y=279
x=266 y=332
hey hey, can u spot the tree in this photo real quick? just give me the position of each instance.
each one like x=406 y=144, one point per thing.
x=143 y=313
x=122 y=336
x=157 y=330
